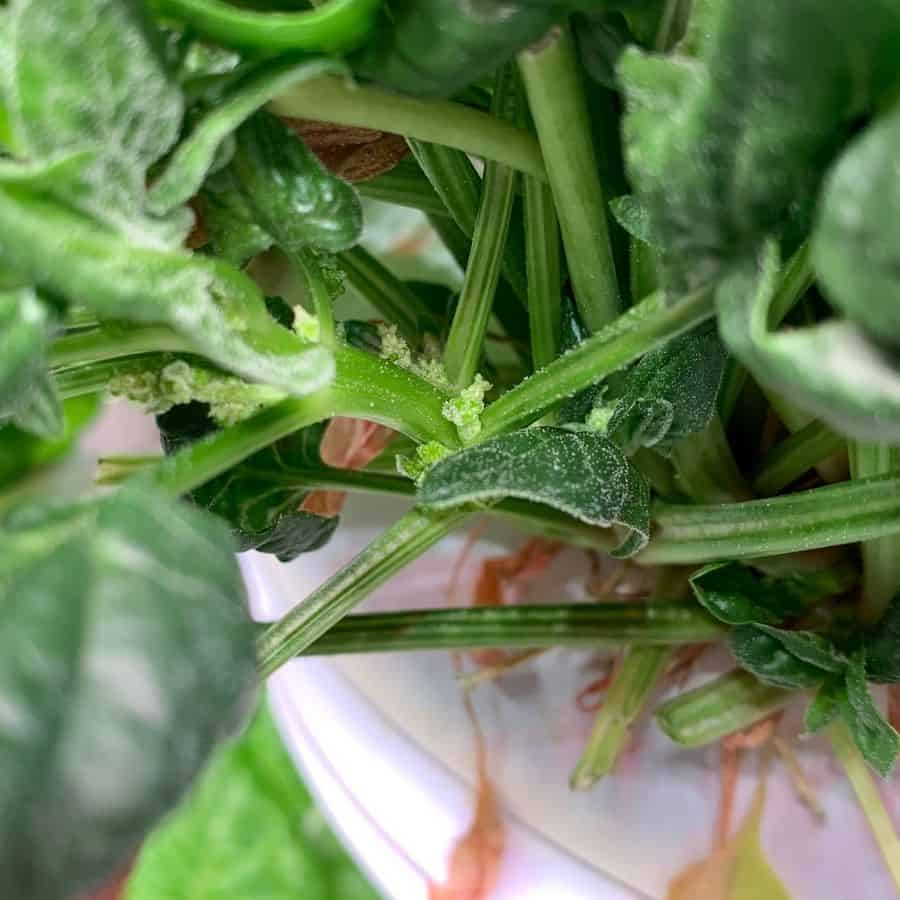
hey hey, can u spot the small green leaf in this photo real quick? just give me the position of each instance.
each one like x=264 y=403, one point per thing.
x=293 y=196
x=196 y=155
x=126 y=653
x=788 y=659
x=834 y=370
x=580 y=473
x=882 y=643
x=670 y=394
x=270 y=841
x=734 y=595
x=228 y=220
x=826 y=705
x=632 y=215
x=878 y=742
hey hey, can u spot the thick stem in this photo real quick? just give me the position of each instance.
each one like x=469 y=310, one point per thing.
x=795 y=456
x=868 y=797
x=881 y=556
x=645 y=326
x=439 y=122
x=312 y=618
x=556 y=98
x=543 y=267
x=635 y=681
x=114 y=342
x=468 y=628
x=705 y=468
x=718 y=708
x=333 y=27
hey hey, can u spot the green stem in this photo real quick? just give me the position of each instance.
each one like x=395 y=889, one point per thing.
x=643 y=327
x=580 y=625
x=310 y=619
x=335 y=26
x=387 y=293
x=718 y=708
x=465 y=340
x=794 y=456
x=310 y=270
x=404 y=185
x=92 y=378
x=114 y=342
x=556 y=98
x=439 y=122
x=636 y=679
x=705 y=468
x=881 y=556
x=543 y=268
x=868 y=798
x=821 y=517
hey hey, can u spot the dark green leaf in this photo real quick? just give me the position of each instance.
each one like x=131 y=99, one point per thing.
x=730 y=147
x=882 y=643
x=833 y=369
x=670 y=393
x=270 y=841
x=878 y=742
x=126 y=654
x=292 y=195
x=196 y=156
x=228 y=220
x=601 y=37
x=88 y=75
x=855 y=252
x=788 y=659
x=581 y=473
x=826 y=705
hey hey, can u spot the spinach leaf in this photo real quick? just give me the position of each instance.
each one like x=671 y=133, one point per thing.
x=195 y=157
x=670 y=393
x=878 y=742
x=292 y=196
x=788 y=659
x=270 y=841
x=261 y=497
x=882 y=645
x=126 y=653
x=854 y=247
x=578 y=472
x=89 y=75
x=810 y=365
x=730 y=147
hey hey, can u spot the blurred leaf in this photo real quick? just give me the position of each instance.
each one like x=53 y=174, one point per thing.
x=882 y=643
x=878 y=742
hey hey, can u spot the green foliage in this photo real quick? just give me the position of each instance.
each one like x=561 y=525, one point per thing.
x=882 y=643
x=127 y=653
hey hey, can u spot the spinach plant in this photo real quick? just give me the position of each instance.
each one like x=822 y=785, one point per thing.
x=685 y=226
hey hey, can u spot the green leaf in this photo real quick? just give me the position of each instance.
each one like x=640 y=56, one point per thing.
x=854 y=251
x=788 y=659
x=833 y=370
x=632 y=215
x=292 y=195
x=206 y=300
x=731 y=147
x=670 y=394
x=228 y=220
x=88 y=75
x=258 y=498
x=580 y=473
x=878 y=742
x=42 y=414
x=196 y=155
x=882 y=644
x=269 y=840
x=826 y=705
x=126 y=653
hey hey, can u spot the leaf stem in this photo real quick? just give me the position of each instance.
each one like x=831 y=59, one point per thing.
x=556 y=98
x=658 y=625
x=439 y=122
x=636 y=679
x=718 y=708
x=868 y=797
x=115 y=342
x=311 y=272
x=404 y=185
x=705 y=468
x=645 y=326
x=333 y=27
x=543 y=267
x=794 y=456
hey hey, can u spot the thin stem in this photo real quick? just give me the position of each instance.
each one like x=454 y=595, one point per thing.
x=868 y=798
x=718 y=708
x=463 y=349
x=313 y=617
x=92 y=378
x=543 y=267
x=806 y=520
x=311 y=272
x=556 y=98
x=468 y=628
x=643 y=327
x=439 y=122
x=636 y=679
x=387 y=293
x=794 y=456
x=114 y=342
x=881 y=556
x=404 y=185
x=333 y=27
x=705 y=467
